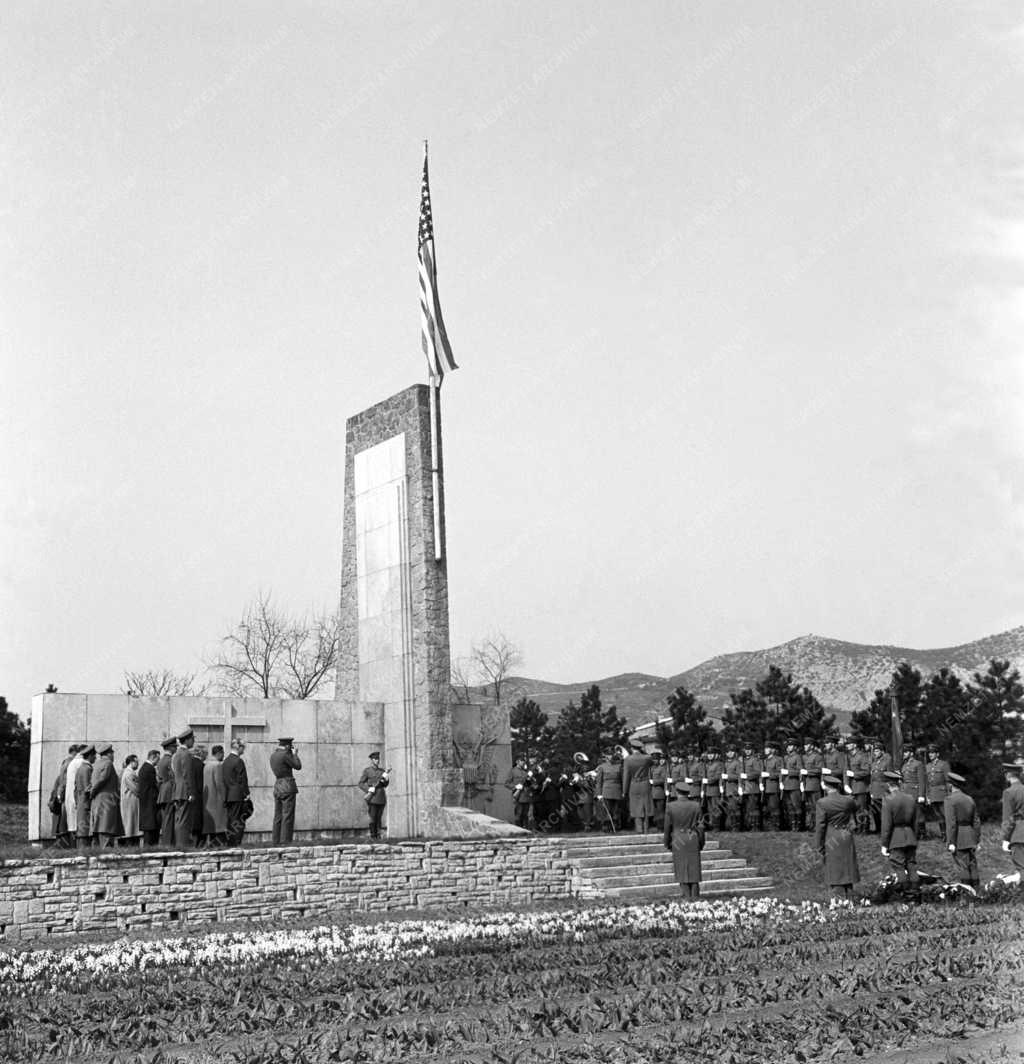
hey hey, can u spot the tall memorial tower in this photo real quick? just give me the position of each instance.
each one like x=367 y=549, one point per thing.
x=394 y=602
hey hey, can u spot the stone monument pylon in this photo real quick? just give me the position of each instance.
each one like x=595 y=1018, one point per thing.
x=394 y=614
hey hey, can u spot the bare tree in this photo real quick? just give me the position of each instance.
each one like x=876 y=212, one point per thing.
x=162 y=682
x=460 y=681
x=271 y=655
x=310 y=655
x=493 y=660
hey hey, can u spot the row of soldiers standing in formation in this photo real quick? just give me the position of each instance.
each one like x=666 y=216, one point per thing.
x=737 y=790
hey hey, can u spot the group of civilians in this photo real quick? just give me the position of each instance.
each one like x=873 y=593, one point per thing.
x=182 y=795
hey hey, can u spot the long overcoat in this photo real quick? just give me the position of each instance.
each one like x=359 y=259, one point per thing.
x=147 y=797
x=83 y=800
x=130 y=802
x=684 y=836
x=835 y=817
x=636 y=783
x=105 y=789
x=215 y=810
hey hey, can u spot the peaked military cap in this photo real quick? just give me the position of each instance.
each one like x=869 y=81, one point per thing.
x=955 y=777
x=375 y=756
x=170 y=742
x=90 y=749
x=186 y=734
x=893 y=777
x=1013 y=767
x=286 y=741
x=682 y=788
x=832 y=781
x=106 y=748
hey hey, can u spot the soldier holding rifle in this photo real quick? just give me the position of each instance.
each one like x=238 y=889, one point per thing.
x=373 y=783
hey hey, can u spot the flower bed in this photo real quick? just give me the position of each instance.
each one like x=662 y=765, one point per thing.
x=744 y=980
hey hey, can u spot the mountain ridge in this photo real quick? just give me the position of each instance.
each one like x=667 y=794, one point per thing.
x=843 y=675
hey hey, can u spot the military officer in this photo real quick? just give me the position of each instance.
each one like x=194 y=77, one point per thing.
x=714 y=814
x=813 y=766
x=1013 y=815
x=284 y=762
x=236 y=791
x=881 y=763
x=899 y=831
x=835 y=760
x=693 y=773
x=373 y=783
x=518 y=782
x=792 y=791
x=608 y=786
x=684 y=836
x=936 y=771
x=659 y=787
x=962 y=829
x=771 y=782
x=915 y=783
x=83 y=798
x=185 y=794
x=636 y=786
x=732 y=769
x=858 y=777
x=751 y=788
x=835 y=816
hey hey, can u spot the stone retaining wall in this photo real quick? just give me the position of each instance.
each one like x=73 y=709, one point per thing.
x=117 y=893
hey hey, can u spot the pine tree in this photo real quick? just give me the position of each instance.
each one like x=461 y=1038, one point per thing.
x=988 y=733
x=875 y=722
x=531 y=735
x=789 y=711
x=690 y=731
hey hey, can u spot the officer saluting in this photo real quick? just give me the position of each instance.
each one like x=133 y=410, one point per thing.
x=372 y=783
x=283 y=762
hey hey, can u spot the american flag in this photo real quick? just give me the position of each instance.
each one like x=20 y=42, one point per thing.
x=435 y=339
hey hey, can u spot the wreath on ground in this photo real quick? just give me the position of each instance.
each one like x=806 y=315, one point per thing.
x=893 y=888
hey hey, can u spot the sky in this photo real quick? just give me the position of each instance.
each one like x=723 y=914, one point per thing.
x=735 y=290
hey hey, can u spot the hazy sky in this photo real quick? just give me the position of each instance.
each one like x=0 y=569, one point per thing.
x=736 y=290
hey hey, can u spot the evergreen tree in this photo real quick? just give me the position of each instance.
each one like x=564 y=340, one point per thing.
x=689 y=730
x=588 y=728
x=781 y=710
x=875 y=722
x=987 y=733
x=14 y=750
x=531 y=734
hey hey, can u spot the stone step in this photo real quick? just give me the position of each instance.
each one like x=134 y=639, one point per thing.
x=663 y=857
x=657 y=879
x=641 y=845
x=750 y=885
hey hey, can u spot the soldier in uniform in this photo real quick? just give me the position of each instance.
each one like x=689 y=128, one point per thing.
x=684 y=837
x=915 y=783
x=732 y=769
x=813 y=766
x=858 y=776
x=373 y=783
x=1013 y=815
x=546 y=797
x=199 y=754
x=936 y=771
x=751 y=788
x=834 y=819
x=185 y=793
x=693 y=773
x=834 y=762
x=771 y=781
x=608 y=786
x=105 y=798
x=636 y=786
x=518 y=782
x=56 y=804
x=284 y=762
x=659 y=783
x=792 y=789
x=881 y=763
x=899 y=832
x=582 y=782
x=714 y=789
x=962 y=829
x=165 y=791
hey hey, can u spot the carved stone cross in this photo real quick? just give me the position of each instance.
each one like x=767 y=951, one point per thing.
x=230 y=720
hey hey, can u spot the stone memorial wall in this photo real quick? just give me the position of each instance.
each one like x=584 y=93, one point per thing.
x=118 y=893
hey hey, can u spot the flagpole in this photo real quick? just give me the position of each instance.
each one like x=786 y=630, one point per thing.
x=435 y=465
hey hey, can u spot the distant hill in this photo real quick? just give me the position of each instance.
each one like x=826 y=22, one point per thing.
x=844 y=676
